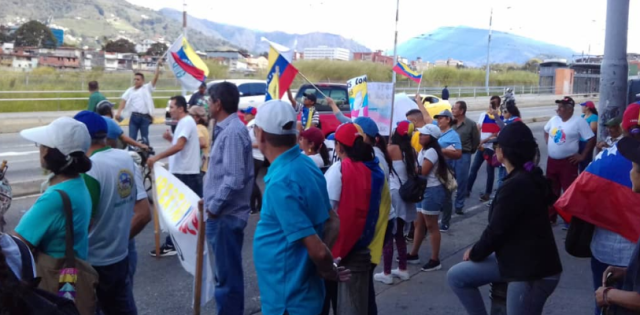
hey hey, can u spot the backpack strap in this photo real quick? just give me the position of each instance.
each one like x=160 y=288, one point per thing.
x=26 y=260
x=69 y=256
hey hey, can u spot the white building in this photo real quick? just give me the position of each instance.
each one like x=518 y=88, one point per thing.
x=325 y=52
x=24 y=62
x=7 y=48
x=144 y=45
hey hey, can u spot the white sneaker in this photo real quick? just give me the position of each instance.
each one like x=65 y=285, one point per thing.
x=402 y=275
x=381 y=277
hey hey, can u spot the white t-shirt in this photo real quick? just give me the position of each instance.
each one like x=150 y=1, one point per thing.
x=256 y=152
x=187 y=160
x=431 y=155
x=317 y=158
x=564 y=136
x=139 y=100
x=333 y=176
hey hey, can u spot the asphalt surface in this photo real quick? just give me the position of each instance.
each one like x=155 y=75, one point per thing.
x=163 y=287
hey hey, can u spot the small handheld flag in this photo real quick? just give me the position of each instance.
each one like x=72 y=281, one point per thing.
x=281 y=71
x=403 y=69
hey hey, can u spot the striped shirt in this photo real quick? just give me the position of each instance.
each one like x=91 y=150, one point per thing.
x=229 y=181
x=304 y=118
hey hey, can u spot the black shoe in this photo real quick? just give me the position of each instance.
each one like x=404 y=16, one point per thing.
x=412 y=260
x=432 y=265
x=485 y=198
x=459 y=211
x=165 y=250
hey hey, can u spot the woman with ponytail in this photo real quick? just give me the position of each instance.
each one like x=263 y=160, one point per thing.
x=517 y=246
x=63 y=145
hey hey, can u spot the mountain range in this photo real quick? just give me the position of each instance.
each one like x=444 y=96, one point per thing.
x=251 y=39
x=470 y=46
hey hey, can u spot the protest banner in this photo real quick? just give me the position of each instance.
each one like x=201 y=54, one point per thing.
x=379 y=95
x=358 y=98
x=178 y=212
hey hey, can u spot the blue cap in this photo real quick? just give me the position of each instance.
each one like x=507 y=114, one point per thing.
x=96 y=125
x=369 y=127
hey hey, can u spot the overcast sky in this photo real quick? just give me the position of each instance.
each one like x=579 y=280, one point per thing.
x=576 y=24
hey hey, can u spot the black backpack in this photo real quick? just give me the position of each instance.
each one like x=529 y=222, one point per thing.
x=31 y=300
x=413 y=189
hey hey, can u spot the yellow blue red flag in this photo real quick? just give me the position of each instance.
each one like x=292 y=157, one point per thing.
x=403 y=69
x=187 y=66
x=281 y=71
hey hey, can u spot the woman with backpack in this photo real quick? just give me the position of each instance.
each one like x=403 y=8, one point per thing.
x=403 y=158
x=433 y=166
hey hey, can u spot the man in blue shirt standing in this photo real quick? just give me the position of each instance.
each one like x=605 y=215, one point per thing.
x=290 y=254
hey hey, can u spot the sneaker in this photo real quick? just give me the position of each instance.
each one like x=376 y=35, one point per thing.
x=381 y=277
x=411 y=259
x=400 y=274
x=165 y=250
x=459 y=211
x=432 y=265
x=485 y=198
x=444 y=228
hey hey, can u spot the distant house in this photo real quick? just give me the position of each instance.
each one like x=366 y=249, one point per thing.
x=7 y=48
x=145 y=45
x=327 y=53
x=59 y=61
x=24 y=62
x=449 y=63
x=120 y=61
x=376 y=57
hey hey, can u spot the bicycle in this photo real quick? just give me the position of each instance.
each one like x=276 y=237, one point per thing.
x=141 y=156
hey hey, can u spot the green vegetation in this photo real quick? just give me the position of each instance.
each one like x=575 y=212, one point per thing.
x=56 y=82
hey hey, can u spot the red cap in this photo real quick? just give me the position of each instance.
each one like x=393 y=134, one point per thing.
x=589 y=104
x=630 y=116
x=314 y=135
x=348 y=133
x=404 y=128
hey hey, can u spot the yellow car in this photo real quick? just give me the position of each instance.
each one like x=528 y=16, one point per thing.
x=435 y=105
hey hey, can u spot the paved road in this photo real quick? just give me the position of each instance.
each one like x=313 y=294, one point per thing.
x=23 y=156
x=163 y=287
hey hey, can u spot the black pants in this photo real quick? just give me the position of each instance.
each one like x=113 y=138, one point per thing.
x=331 y=297
x=256 y=195
x=373 y=307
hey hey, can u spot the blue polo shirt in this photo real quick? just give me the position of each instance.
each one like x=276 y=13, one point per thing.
x=295 y=204
x=113 y=129
x=448 y=138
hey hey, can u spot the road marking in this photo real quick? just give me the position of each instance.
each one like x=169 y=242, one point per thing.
x=18 y=153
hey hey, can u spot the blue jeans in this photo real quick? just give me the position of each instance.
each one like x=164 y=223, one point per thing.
x=141 y=123
x=502 y=173
x=225 y=235
x=478 y=159
x=115 y=290
x=461 y=168
x=133 y=259
x=523 y=297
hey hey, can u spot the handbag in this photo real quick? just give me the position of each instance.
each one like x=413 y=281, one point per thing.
x=413 y=189
x=491 y=158
x=450 y=183
x=69 y=277
x=578 y=241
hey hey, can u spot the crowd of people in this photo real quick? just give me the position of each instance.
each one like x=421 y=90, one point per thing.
x=325 y=222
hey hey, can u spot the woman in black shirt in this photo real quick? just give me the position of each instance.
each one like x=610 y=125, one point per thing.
x=518 y=245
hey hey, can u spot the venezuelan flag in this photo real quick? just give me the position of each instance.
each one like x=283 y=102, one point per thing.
x=607 y=175
x=404 y=70
x=281 y=73
x=187 y=66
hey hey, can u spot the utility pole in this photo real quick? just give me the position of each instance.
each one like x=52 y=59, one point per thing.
x=486 y=78
x=393 y=73
x=614 y=71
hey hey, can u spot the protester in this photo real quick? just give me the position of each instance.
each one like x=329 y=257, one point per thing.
x=488 y=127
x=403 y=164
x=115 y=133
x=470 y=139
x=312 y=145
x=96 y=97
x=291 y=245
x=184 y=157
x=517 y=246
x=228 y=187
x=416 y=117
x=140 y=105
x=258 y=158
x=433 y=166
x=355 y=185
x=562 y=134
x=63 y=145
x=309 y=116
x=590 y=114
x=615 y=134
x=200 y=116
x=115 y=185
x=511 y=115
x=200 y=98
x=445 y=93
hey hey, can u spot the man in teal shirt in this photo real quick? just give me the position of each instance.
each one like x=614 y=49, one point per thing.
x=96 y=97
x=297 y=225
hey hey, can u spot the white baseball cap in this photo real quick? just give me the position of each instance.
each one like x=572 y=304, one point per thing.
x=277 y=117
x=431 y=130
x=65 y=134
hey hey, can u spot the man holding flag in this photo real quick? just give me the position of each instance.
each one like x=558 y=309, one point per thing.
x=309 y=115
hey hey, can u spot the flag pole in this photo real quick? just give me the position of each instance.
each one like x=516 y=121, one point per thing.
x=393 y=78
x=314 y=86
x=420 y=82
x=199 y=260
x=156 y=214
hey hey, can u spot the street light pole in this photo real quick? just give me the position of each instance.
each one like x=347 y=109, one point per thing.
x=393 y=73
x=486 y=79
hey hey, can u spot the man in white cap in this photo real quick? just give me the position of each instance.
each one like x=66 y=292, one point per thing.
x=290 y=255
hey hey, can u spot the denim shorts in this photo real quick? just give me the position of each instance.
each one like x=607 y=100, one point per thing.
x=433 y=201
